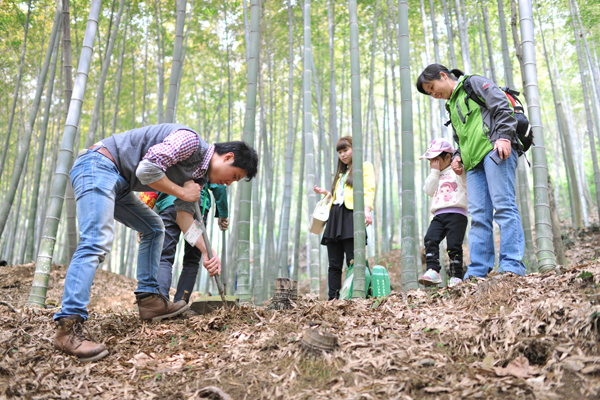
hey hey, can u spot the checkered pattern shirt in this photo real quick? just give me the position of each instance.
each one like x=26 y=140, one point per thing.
x=179 y=146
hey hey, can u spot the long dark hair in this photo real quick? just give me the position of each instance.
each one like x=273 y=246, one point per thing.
x=342 y=144
x=432 y=73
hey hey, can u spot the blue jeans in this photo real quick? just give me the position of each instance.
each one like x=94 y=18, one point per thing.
x=103 y=196
x=491 y=196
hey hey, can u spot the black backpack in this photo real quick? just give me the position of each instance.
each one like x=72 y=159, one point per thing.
x=524 y=132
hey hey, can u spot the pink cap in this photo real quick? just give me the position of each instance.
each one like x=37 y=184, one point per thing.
x=437 y=147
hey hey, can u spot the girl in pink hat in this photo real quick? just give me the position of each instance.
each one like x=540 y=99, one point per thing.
x=449 y=209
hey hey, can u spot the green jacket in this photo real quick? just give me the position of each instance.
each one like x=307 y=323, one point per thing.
x=476 y=129
x=219 y=192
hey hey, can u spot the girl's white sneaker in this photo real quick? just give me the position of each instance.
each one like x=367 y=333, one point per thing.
x=430 y=278
x=454 y=281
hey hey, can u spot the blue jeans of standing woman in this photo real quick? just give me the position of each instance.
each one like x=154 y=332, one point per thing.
x=103 y=196
x=491 y=197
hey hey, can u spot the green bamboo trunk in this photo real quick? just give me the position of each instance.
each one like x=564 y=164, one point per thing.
x=357 y=157
x=176 y=65
x=506 y=60
x=91 y=134
x=543 y=220
x=244 y=290
x=313 y=243
x=287 y=189
x=408 y=260
x=37 y=297
x=563 y=128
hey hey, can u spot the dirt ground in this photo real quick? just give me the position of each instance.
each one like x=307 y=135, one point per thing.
x=535 y=337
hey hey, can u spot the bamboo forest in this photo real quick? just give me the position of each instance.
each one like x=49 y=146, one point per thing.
x=299 y=199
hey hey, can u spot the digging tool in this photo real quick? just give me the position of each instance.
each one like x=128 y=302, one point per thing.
x=209 y=252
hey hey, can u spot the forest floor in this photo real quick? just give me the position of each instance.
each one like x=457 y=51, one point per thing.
x=535 y=337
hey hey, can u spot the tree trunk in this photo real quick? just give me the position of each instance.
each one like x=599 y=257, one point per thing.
x=11 y=117
x=409 y=267
x=559 y=247
x=133 y=98
x=371 y=100
x=391 y=38
x=52 y=160
x=322 y=139
x=233 y=243
x=564 y=131
x=243 y=260
x=543 y=227
x=25 y=142
x=481 y=46
x=269 y=264
x=593 y=71
x=71 y=208
x=431 y=114
x=343 y=81
x=332 y=100
x=298 y=223
x=160 y=63
x=508 y=72
x=91 y=134
x=488 y=39
x=397 y=131
x=30 y=236
x=12 y=254
x=289 y=160
x=436 y=51
x=258 y=275
x=588 y=113
x=113 y=124
x=385 y=218
x=450 y=35
x=357 y=156
x=176 y=65
x=313 y=249
x=145 y=96
x=464 y=44
x=37 y=296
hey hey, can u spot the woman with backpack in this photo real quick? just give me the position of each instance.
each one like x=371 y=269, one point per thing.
x=488 y=153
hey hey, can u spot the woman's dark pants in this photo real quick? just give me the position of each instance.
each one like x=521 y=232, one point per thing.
x=335 y=252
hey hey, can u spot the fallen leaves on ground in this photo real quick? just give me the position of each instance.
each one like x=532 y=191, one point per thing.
x=533 y=337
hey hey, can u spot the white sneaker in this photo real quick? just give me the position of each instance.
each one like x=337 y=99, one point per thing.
x=454 y=281
x=430 y=278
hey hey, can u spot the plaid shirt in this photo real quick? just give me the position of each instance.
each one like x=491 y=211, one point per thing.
x=179 y=146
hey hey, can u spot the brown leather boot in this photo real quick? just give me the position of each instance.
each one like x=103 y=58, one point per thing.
x=156 y=307
x=71 y=339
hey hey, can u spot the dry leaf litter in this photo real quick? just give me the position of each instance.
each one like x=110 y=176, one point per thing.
x=528 y=338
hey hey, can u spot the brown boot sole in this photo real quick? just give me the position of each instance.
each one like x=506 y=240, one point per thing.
x=173 y=314
x=95 y=358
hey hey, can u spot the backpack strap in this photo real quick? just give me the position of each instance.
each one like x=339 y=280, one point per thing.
x=471 y=94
